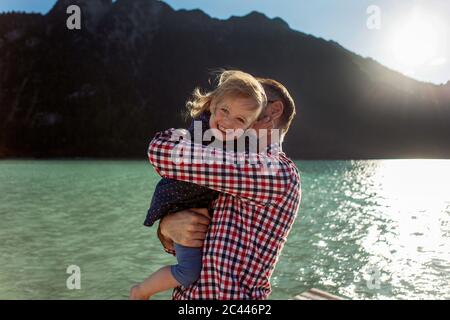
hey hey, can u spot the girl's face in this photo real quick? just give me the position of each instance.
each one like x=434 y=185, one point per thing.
x=232 y=113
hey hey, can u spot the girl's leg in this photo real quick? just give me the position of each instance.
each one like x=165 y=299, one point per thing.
x=186 y=272
x=159 y=281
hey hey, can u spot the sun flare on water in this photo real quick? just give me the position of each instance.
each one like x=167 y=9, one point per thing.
x=413 y=196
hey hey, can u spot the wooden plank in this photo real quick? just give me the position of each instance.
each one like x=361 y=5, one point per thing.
x=324 y=294
x=316 y=294
x=300 y=297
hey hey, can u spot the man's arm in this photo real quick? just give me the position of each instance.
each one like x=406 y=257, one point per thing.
x=260 y=178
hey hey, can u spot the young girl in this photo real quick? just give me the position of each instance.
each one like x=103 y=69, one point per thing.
x=234 y=104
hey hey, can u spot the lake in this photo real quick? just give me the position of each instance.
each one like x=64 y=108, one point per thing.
x=365 y=230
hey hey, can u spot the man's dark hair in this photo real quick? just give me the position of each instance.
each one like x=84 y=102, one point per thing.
x=275 y=91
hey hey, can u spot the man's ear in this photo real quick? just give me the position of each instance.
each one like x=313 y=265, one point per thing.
x=275 y=110
x=264 y=123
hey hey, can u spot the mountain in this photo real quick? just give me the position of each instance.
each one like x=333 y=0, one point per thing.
x=104 y=90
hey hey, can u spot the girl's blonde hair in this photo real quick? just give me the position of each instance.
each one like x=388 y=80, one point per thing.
x=231 y=82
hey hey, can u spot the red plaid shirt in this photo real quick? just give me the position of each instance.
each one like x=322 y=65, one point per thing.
x=251 y=220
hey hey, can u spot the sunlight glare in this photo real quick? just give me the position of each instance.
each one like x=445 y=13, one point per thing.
x=416 y=40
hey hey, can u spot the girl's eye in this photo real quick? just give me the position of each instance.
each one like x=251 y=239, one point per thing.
x=241 y=120
x=224 y=110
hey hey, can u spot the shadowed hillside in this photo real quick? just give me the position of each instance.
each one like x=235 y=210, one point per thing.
x=104 y=91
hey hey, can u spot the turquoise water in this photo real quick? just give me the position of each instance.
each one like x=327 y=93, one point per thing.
x=365 y=230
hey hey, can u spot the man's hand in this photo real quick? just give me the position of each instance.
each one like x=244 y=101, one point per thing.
x=187 y=227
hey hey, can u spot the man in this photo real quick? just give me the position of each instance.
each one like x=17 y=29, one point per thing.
x=252 y=216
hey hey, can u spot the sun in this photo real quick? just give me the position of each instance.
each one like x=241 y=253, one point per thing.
x=415 y=41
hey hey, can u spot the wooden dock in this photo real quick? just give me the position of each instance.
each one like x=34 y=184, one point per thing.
x=316 y=294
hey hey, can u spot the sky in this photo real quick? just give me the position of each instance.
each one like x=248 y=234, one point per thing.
x=410 y=36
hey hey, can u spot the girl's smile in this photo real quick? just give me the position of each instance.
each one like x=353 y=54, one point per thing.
x=230 y=114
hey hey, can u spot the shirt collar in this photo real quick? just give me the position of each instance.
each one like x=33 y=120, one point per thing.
x=274 y=148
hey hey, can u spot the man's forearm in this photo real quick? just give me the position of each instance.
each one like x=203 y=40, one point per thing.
x=259 y=178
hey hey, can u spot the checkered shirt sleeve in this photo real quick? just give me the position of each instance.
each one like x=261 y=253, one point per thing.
x=254 y=177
